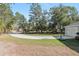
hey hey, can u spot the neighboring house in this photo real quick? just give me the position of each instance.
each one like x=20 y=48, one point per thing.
x=72 y=29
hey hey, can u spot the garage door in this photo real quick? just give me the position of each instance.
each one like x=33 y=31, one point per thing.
x=71 y=31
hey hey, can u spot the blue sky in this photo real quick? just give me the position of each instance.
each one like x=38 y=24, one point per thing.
x=24 y=8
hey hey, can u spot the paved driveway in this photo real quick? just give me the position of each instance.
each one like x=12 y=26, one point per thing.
x=31 y=37
x=26 y=36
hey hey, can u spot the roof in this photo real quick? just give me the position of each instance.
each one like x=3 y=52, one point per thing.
x=73 y=24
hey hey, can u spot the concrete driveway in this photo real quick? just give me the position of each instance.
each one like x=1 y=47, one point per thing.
x=26 y=36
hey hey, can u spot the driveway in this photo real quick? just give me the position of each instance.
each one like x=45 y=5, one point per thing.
x=26 y=36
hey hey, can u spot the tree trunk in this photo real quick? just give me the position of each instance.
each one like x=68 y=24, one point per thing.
x=41 y=31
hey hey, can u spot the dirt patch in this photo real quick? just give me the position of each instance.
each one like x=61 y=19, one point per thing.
x=13 y=49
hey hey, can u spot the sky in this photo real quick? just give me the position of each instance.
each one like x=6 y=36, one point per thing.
x=24 y=8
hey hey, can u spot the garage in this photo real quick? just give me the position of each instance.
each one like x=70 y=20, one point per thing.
x=72 y=29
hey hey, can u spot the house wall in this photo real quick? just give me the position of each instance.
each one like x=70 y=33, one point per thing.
x=71 y=31
x=78 y=28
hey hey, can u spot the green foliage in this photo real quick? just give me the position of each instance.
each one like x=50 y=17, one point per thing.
x=37 y=18
x=21 y=22
x=63 y=15
x=5 y=17
x=40 y=20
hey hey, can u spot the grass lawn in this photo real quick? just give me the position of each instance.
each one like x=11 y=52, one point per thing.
x=30 y=41
x=56 y=42
x=38 y=47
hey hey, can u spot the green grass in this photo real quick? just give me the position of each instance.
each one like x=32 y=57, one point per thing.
x=70 y=42
x=30 y=42
x=42 y=42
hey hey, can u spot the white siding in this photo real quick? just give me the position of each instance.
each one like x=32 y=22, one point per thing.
x=78 y=28
x=71 y=31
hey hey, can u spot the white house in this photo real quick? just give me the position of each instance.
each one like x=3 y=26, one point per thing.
x=72 y=29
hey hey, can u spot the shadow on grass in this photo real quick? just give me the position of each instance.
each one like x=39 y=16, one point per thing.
x=71 y=43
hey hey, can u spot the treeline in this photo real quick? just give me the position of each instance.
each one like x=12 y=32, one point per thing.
x=6 y=18
x=40 y=21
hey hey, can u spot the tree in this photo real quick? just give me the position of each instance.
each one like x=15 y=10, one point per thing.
x=37 y=18
x=62 y=16
x=43 y=22
x=5 y=17
x=21 y=22
x=35 y=15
